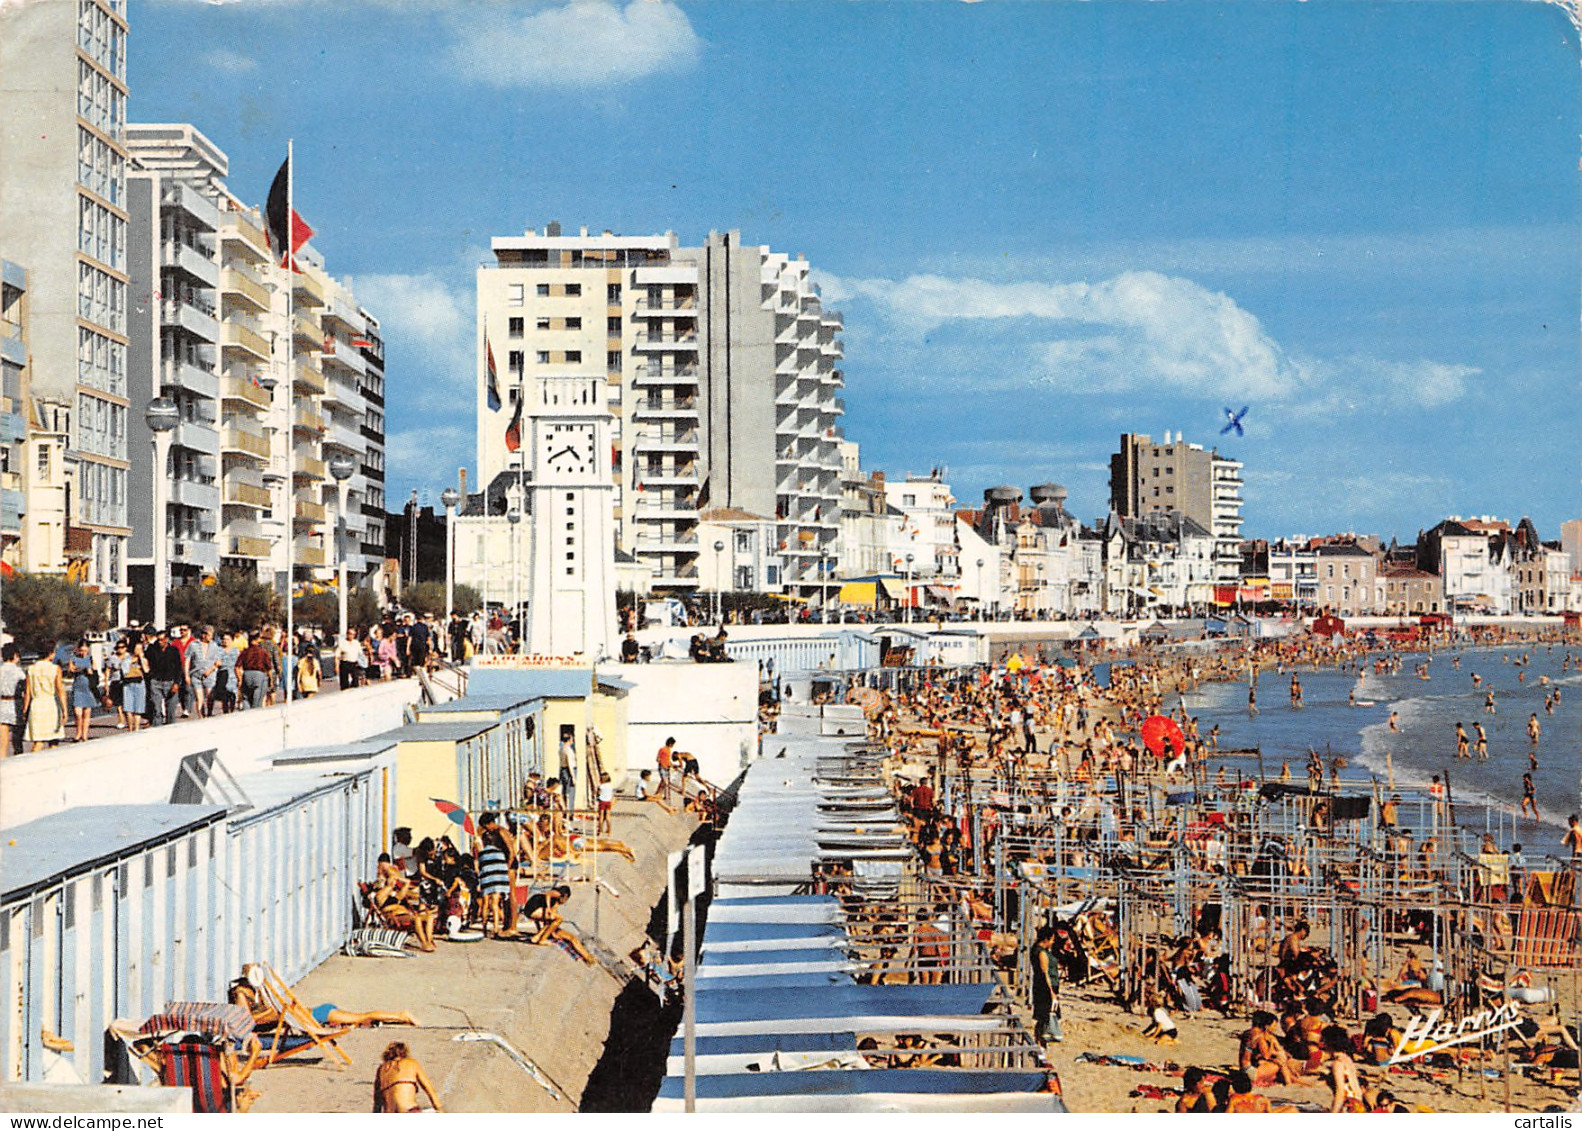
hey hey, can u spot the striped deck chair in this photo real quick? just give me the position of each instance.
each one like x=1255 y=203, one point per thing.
x=198 y=1064
x=297 y=1031
x=1546 y=937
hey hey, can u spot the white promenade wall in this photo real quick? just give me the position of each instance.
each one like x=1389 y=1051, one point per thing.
x=134 y=768
x=710 y=709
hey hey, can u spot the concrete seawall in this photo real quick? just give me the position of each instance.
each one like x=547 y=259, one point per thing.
x=551 y=1008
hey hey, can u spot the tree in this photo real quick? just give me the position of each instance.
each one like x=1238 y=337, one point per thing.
x=236 y=602
x=43 y=608
x=428 y=597
x=323 y=610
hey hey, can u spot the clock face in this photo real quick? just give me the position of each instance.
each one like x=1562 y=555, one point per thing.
x=569 y=449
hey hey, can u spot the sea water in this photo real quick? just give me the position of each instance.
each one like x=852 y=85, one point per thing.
x=1427 y=711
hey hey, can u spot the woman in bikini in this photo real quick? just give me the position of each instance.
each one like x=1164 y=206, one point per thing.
x=1348 y=1097
x=397 y=1081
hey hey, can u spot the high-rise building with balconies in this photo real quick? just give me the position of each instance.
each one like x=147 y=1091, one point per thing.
x=720 y=368
x=1148 y=477
x=13 y=412
x=204 y=253
x=63 y=214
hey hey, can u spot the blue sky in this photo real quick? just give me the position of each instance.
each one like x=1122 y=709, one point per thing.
x=1046 y=223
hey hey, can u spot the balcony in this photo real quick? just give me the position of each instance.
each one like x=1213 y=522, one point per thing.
x=243 y=288
x=677 y=477
x=193 y=378
x=195 y=319
x=304 y=419
x=683 y=308
x=666 y=410
x=345 y=436
x=307 y=466
x=197 y=436
x=306 y=290
x=241 y=491
x=240 y=390
x=307 y=553
x=307 y=333
x=203 y=211
x=665 y=545
x=191 y=261
x=246 y=546
x=307 y=378
x=239 y=228
x=309 y=512
x=344 y=362
x=666 y=342
x=340 y=316
x=234 y=438
x=235 y=335
x=667 y=440
x=195 y=494
x=656 y=378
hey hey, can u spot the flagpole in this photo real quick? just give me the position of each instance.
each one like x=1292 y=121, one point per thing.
x=289 y=678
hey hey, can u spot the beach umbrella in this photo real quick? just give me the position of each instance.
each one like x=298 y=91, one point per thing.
x=1157 y=730
x=456 y=813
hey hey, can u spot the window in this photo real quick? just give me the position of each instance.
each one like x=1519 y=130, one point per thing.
x=612 y=327
x=516 y=326
x=744 y=577
x=543 y=323
x=573 y=290
x=612 y=361
x=573 y=323
x=543 y=357
x=612 y=293
x=543 y=290
x=771 y=575
x=514 y=294
x=515 y=360
x=744 y=541
x=573 y=357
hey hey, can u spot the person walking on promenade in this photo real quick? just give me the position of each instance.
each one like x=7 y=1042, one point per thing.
x=203 y=661
x=44 y=700
x=163 y=661
x=127 y=665
x=255 y=666
x=349 y=660
x=84 y=693
x=12 y=677
x=181 y=639
x=226 y=680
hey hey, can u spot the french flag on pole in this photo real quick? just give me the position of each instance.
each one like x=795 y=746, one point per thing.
x=492 y=394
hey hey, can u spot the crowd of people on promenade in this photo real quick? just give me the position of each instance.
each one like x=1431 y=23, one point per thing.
x=155 y=676
x=976 y=751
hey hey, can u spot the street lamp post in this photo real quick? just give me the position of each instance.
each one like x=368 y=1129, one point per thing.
x=341 y=469
x=980 y=589
x=911 y=597
x=1038 y=595
x=161 y=416
x=450 y=497
x=719 y=564
x=513 y=517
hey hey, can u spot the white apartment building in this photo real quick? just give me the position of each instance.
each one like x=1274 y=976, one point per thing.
x=869 y=526
x=925 y=544
x=719 y=368
x=738 y=552
x=216 y=341
x=63 y=215
x=1225 y=517
x=1293 y=573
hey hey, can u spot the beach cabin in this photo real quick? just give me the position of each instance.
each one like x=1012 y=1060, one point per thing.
x=464 y=762
x=561 y=703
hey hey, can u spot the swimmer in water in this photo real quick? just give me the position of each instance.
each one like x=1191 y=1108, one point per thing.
x=1482 y=745
x=1395 y=722
x=1461 y=741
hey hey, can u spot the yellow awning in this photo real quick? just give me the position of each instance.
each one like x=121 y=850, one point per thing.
x=858 y=593
x=895 y=590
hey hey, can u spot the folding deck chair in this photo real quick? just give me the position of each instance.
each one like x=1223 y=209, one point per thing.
x=297 y=1031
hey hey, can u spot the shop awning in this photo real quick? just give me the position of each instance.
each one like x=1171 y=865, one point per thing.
x=863 y=593
x=894 y=590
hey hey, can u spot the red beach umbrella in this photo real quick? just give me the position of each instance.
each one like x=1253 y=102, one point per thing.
x=456 y=813
x=1157 y=730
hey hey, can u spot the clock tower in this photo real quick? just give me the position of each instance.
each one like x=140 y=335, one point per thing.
x=571 y=529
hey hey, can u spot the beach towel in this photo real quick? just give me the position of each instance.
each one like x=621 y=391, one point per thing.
x=376 y=942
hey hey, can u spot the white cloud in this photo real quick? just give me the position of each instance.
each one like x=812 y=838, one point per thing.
x=1136 y=331
x=426 y=457
x=429 y=330
x=224 y=59
x=578 y=45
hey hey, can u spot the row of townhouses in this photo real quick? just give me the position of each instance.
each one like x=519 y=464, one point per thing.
x=129 y=272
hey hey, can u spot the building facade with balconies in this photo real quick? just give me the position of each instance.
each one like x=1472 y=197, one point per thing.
x=274 y=373
x=63 y=214
x=14 y=389
x=1148 y=477
x=720 y=369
